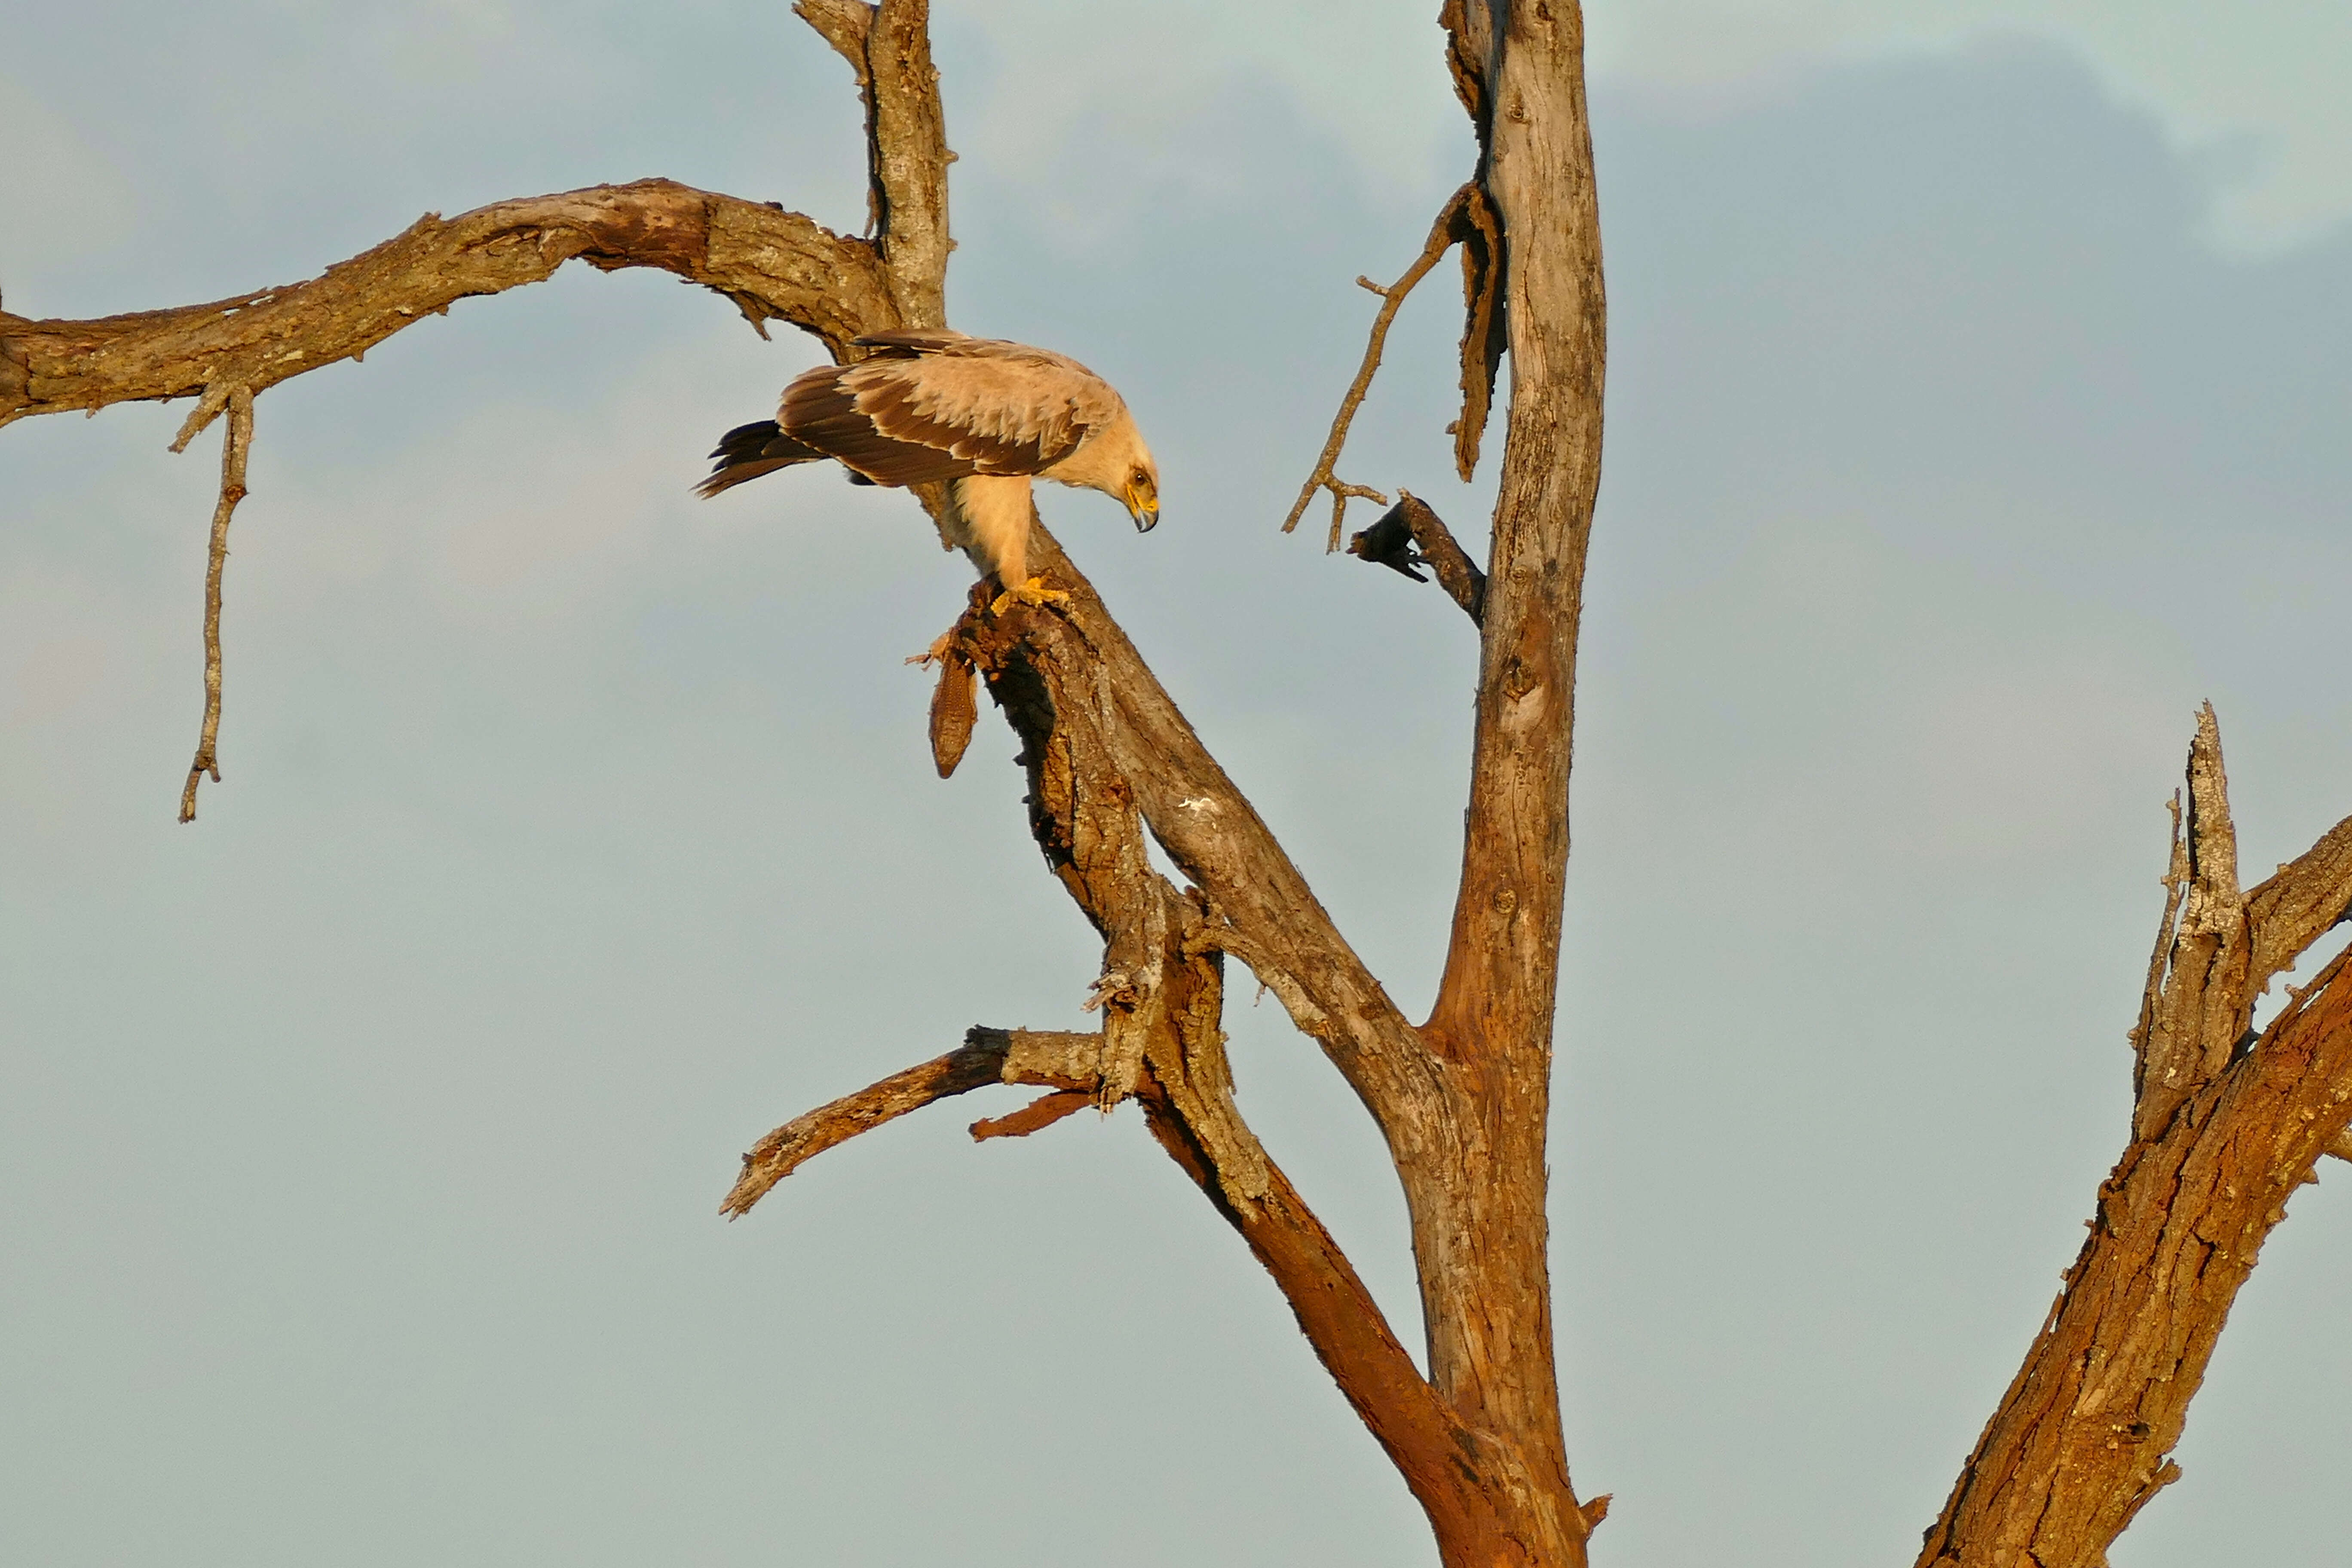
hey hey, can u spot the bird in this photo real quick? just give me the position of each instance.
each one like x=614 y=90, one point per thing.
x=983 y=414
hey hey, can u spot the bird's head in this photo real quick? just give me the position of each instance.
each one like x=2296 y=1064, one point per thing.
x=1141 y=490
x=1115 y=461
x=1118 y=464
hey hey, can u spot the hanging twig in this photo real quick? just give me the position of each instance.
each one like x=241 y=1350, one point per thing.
x=234 y=445
x=1441 y=236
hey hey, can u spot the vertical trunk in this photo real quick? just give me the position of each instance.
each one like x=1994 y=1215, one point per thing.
x=1476 y=1186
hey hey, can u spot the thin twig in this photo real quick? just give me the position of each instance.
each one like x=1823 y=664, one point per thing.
x=1441 y=236
x=234 y=445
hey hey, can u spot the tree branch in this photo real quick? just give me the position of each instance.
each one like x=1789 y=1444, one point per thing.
x=771 y=263
x=847 y=26
x=2082 y=1440
x=1443 y=234
x=888 y=47
x=235 y=442
x=2218 y=949
x=1035 y=1116
x=1258 y=899
x=1055 y=1060
x=1480 y=1228
x=2224 y=1128
x=774 y=264
x=1162 y=998
x=2300 y=903
x=910 y=164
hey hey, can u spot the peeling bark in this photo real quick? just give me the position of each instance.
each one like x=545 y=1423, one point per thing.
x=2224 y=1128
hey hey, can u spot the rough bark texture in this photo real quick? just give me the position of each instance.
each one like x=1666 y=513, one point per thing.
x=1479 y=1226
x=2225 y=1125
x=774 y=264
x=1409 y=536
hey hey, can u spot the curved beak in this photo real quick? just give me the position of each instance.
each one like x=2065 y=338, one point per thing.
x=1146 y=516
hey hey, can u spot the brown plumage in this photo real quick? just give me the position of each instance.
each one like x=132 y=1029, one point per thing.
x=983 y=415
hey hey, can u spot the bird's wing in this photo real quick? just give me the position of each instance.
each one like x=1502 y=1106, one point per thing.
x=907 y=344
x=938 y=405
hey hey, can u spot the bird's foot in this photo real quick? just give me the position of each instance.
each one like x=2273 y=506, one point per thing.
x=937 y=652
x=1033 y=592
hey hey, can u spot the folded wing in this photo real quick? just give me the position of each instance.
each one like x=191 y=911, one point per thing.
x=935 y=406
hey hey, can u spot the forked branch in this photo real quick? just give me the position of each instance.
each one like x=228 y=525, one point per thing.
x=2225 y=1128
x=1055 y=1060
x=774 y=265
x=1113 y=764
x=1057 y=673
x=1442 y=235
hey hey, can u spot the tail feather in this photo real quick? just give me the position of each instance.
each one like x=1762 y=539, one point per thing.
x=750 y=450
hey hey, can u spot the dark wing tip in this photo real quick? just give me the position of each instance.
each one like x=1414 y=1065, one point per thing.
x=750 y=450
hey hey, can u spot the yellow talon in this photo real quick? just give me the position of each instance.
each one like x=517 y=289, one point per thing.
x=1033 y=592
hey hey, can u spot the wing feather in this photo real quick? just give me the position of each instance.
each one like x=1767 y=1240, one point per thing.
x=938 y=405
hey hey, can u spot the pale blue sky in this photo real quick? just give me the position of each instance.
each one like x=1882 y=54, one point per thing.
x=359 y=1145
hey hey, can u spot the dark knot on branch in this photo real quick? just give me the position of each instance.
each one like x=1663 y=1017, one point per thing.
x=1410 y=535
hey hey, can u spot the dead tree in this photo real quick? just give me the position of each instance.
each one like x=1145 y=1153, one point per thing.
x=2229 y=1122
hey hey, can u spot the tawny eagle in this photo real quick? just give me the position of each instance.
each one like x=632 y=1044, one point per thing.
x=983 y=415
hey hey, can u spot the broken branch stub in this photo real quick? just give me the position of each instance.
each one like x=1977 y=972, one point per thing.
x=2226 y=1125
x=2217 y=949
x=1046 y=1059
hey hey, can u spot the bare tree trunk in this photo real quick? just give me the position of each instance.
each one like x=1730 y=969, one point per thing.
x=2227 y=1123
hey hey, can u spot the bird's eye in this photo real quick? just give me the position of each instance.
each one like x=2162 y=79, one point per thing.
x=1141 y=479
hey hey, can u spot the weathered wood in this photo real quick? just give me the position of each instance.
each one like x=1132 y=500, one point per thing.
x=1163 y=992
x=774 y=264
x=1479 y=1225
x=2083 y=1437
x=237 y=441
x=2225 y=1125
x=2224 y=1128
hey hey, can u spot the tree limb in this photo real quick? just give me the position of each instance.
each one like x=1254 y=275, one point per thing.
x=235 y=442
x=1487 y=1301
x=2216 y=951
x=1055 y=1060
x=1035 y=1116
x=1441 y=236
x=2300 y=903
x=888 y=48
x=1162 y=996
x=910 y=159
x=2224 y=1128
x=2082 y=1439
x=774 y=264
x=1216 y=839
